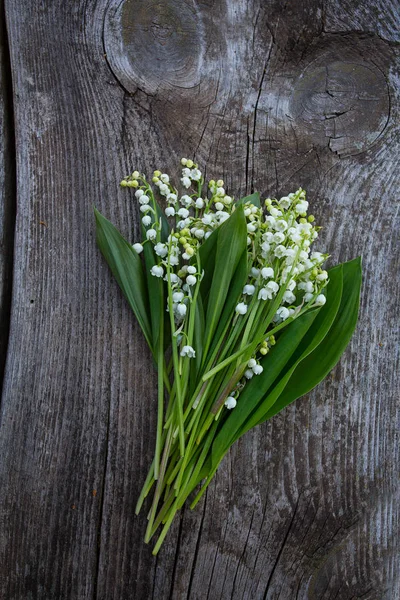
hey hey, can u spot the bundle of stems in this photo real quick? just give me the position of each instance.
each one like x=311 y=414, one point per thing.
x=238 y=312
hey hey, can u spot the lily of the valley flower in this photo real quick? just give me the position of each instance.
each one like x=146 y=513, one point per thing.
x=188 y=351
x=157 y=271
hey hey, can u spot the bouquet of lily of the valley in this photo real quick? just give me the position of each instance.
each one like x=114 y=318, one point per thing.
x=238 y=312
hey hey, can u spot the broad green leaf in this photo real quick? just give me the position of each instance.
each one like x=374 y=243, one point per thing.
x=314 y=336
x=262 y=397
x=127 y=269
x=325 y=317
x=165 y=228
x=257 y=387
x=321 y=361
x=253 y=198
x=207 y=257
x=155 y=288
x=198 y=335
x=231 y=241
x=232 y=297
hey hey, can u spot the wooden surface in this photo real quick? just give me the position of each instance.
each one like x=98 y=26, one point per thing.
x=270 y=96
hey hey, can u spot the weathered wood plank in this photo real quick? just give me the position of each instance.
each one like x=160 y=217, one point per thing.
x=269 y=96
x=7 y=191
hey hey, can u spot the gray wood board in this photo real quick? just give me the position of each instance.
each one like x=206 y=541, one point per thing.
x=7 y=191
x=269 y=96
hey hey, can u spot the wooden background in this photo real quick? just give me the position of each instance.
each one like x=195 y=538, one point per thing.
x=269 y=95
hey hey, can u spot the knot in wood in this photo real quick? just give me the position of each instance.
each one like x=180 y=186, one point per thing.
x=342 y=105
x=154 y=45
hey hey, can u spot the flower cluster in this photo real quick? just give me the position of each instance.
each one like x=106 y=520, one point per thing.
x=282 y=270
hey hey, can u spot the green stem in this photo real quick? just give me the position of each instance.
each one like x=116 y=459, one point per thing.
x=160 y=407
x=187 y=456
x=157 y=493
x=226 y=362
x=175 y=507
x=146 y=488
x=177 y=378
x=193 y=482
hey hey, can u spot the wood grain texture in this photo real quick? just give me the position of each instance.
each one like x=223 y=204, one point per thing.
x=7 y=191
x=269 y=96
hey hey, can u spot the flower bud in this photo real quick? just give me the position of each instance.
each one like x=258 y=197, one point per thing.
x=181 y=309
x=199 y=203
x=241 y=308
x=157 y=271
x=230 y=402
x=188 y=351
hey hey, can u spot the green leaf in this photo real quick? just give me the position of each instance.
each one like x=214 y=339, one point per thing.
x=231 y=242
x=257 y=387
x=207 y=257
x=198 y=335
x=314 y=336
x=165 y=228
x=253 y=199
x=321 y=361
x=232 y=297
x=155 y=289
x=127 y=269
x=261 y=393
